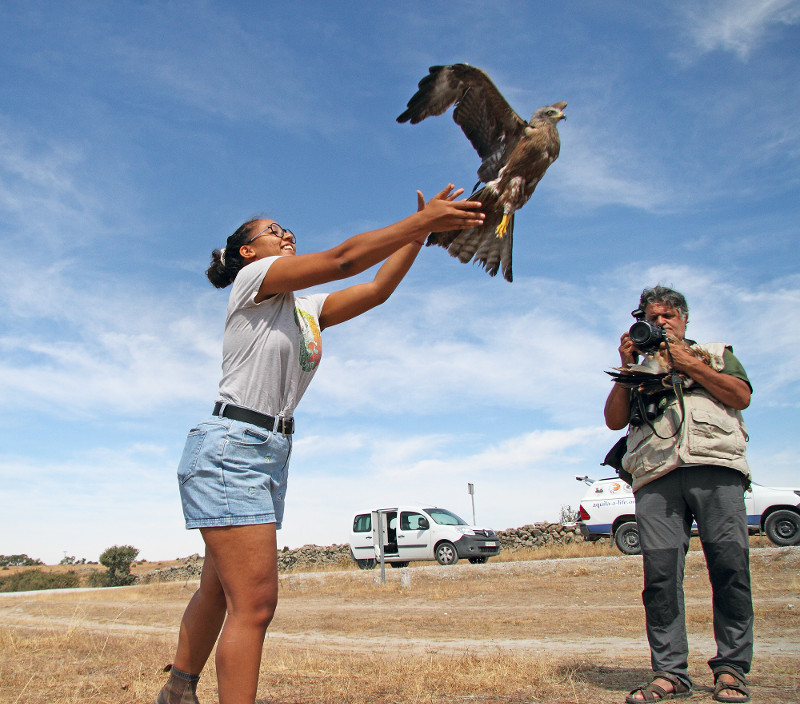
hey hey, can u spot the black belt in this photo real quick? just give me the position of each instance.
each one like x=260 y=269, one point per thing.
x=284 y=426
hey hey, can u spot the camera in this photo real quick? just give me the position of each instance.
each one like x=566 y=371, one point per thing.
x=644 y=408
x=646 y=336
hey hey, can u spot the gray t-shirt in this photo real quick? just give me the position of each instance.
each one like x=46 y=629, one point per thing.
x=270 y=350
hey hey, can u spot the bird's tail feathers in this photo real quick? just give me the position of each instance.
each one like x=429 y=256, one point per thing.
x=495 y=252
x=486 y=199
x=481 y=245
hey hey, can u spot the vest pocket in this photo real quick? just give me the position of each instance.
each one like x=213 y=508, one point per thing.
x=715 y=435
x=646 y=450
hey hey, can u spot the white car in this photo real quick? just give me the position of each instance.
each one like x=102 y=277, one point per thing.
x=406 y=533
x=608 y=510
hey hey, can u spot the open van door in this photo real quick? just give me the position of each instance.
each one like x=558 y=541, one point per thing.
x=384 y=533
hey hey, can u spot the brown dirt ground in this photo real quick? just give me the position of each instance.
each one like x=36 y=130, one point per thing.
x=558 y=630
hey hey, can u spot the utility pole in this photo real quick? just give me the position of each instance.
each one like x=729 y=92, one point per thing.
x=471 y=492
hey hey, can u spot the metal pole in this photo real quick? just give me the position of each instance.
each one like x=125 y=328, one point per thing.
x=377 y=533
x=471 y=492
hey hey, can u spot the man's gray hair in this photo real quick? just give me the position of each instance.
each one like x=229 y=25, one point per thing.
x=662 y=294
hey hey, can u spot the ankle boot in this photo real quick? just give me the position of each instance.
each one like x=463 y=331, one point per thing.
x=179 y=689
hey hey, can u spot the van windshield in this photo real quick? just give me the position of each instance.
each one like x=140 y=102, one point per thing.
x=445 y=518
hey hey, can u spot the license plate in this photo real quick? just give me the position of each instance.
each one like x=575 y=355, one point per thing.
x=491 y=545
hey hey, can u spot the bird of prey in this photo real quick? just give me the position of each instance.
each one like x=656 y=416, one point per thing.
x=515 y=155
x=655 y=373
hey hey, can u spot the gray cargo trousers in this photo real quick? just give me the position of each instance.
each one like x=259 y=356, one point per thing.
x=713 y=497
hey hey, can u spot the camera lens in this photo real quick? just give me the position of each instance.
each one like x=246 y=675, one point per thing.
x=646 y=336
x=641 y=333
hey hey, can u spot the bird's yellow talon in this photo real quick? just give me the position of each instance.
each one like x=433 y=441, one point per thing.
x=502 y=228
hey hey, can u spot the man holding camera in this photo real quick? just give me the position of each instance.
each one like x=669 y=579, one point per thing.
x=686 y=456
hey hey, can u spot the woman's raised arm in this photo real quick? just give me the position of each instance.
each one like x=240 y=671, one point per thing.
x=362 y=251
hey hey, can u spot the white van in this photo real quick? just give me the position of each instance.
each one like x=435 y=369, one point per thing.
x=608 y=510
x=410 y=533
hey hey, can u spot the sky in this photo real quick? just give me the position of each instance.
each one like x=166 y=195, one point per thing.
x=136 y=136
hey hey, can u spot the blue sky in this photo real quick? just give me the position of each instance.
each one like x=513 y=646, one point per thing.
x=135 y=137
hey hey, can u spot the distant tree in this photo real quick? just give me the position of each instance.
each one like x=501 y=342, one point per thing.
x=72 y=560
x=18 y=561
x=117 y=560
x=568 y=515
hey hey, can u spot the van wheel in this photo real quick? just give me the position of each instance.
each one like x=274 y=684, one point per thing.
x=627 y=538
x=446 y=553
x=479 y=560
x=399 y=564
x=783 y=528
x=365 y=564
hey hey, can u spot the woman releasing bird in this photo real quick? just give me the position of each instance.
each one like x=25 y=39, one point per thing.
x=515 y=155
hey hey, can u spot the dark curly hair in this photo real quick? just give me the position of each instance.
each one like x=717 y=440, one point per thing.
x=222 y=273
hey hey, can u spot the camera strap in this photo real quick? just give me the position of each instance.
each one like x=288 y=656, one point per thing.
x=677 y=387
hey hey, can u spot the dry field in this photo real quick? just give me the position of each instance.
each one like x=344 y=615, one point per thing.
x=567 y=630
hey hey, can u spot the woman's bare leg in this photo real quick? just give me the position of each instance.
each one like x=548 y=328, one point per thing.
x=201 y=621
x=245 y=560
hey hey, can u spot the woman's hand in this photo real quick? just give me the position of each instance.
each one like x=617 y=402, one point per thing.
x=362 y=251
x=443 y=212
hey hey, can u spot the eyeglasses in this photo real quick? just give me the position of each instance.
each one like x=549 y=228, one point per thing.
x=277 y=230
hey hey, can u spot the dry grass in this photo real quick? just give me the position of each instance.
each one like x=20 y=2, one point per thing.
x=554 y=630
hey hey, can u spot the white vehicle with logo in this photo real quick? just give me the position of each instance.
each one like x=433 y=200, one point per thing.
x=608 y=511
x=411 y=533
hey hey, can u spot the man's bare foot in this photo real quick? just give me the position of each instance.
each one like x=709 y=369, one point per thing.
x=729 y=695
x=666 y=685
x=659 y=688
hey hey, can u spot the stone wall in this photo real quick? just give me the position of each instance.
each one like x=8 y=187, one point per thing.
x=309 y=556
x=313 y=556
x=539 y=535
x=190 y=569
x=305 y=557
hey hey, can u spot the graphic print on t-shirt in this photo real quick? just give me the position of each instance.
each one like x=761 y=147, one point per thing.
x=310 y=339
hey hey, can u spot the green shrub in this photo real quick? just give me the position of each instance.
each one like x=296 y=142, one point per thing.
x=31 y=580
x=99 y=579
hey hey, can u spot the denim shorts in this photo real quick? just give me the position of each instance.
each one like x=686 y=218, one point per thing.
x=233 y=474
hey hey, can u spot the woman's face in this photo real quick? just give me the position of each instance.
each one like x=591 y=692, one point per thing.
x=270 y=240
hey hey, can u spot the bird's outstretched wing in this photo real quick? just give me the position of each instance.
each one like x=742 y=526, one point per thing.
x=486 y=118
x=643 y=381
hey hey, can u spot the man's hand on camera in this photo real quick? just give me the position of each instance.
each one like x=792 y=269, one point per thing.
x=628 y=353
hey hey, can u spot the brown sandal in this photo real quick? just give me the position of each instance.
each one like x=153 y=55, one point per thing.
x=739 y=685
x=656 y=693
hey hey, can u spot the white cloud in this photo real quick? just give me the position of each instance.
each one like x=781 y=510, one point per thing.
x=518 y=480
x=464 y=346
x=737 y=26
x=42 y=196
x=103 y=349
x=597 y=168
x=81 y=505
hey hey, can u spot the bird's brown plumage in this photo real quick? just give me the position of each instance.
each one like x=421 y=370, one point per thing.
x=515 y=155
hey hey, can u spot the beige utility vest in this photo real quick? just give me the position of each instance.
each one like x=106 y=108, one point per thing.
x=711 y=433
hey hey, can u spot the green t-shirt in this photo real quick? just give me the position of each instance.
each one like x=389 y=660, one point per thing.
x=734 y=367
